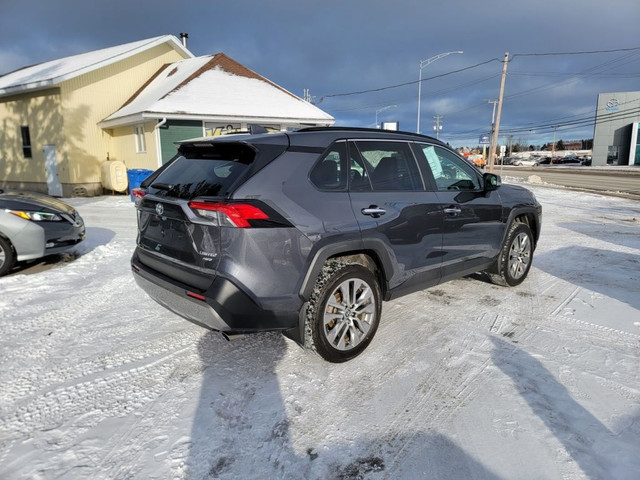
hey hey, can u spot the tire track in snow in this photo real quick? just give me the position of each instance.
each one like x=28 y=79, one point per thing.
x=451 y=384
x=38 y=381
x=113 y=394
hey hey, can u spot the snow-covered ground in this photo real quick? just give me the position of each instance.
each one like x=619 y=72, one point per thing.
x=465 y=380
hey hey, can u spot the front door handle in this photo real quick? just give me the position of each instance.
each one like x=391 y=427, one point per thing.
x=373 y=211
x=452 y=211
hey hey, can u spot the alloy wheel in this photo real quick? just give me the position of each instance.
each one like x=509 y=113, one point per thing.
x=349 y=313
x=519 y=255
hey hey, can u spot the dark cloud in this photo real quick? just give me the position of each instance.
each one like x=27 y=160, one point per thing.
x=342 y=46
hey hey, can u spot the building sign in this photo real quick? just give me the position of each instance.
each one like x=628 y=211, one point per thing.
x=391 y=125
x=484 y=140
x=613 y=105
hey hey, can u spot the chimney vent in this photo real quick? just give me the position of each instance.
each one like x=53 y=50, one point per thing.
x=184 y=37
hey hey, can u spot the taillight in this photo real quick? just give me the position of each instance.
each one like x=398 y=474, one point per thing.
x=138 y=192
x=235 y=214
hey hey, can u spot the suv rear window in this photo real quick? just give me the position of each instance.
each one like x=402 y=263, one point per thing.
x=209 y=171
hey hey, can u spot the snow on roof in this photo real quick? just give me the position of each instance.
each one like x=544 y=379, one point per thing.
x=47 y=74
x=215 y=86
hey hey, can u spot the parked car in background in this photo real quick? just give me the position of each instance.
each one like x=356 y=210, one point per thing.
x=526 y=162
x=571 y=161
x=307 y=232
x=544 y=161
x=33 y=225
x=480 y=162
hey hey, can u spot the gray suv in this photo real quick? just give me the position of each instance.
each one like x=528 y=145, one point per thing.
x=307 y=232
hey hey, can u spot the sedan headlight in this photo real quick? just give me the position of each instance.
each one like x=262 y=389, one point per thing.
x=36 y=216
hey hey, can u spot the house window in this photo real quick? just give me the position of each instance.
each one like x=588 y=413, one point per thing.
x=26 y=142
x=215 y=129
x=141 y=147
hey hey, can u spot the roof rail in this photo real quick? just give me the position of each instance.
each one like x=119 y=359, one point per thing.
x=363 y=129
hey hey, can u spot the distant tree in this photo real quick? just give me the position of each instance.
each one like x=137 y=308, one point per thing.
x=587 y=144
x=560 y=145
x=532 y=148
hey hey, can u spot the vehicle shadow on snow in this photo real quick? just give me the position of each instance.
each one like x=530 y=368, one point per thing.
x=614 y=274
x=95 y=237
x=596 y=449
x=625 y=234
x=241 y=427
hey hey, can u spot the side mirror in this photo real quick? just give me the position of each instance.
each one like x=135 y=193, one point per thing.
x=491 y=182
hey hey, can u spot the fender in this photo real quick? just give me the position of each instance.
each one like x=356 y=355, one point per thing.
x=532 y=212
x=349 y=245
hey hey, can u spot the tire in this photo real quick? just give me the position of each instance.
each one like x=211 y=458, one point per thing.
x=344 y=311
x=514 y=261
x=7 y=256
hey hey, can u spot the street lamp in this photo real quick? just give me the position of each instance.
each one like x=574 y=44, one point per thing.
x=424 y=63
x=382 y=110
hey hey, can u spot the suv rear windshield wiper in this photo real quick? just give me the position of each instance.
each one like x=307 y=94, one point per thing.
x=162 y=186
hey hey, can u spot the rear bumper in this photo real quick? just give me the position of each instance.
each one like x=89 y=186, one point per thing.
x=222 y=307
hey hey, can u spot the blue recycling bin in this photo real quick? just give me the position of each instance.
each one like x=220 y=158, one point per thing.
x=136 y=176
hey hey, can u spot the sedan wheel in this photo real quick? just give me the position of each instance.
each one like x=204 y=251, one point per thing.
x=7 y=256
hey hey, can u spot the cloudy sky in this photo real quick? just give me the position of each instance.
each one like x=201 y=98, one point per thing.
x=360 y=58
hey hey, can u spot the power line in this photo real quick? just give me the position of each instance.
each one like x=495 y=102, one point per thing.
x=333 y=95
x=405 y=98
x=572 y=53
x=587 y=72
x=585 y=121
x=566 y=74
x=582 y=116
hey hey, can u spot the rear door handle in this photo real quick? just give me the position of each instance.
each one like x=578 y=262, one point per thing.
x=373 y=211
x=452 y=211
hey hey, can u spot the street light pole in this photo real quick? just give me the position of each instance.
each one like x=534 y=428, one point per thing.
x=424 y=63
x=382 y=110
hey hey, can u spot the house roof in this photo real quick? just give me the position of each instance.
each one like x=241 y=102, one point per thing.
x=48 y=74
x=215 y=87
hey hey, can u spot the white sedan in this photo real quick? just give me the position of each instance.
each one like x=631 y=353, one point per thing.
x=525 y=162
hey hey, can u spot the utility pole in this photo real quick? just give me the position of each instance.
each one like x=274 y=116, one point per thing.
x=493 y=124
x=494 y=137
x=553 y=145
x=437 y=127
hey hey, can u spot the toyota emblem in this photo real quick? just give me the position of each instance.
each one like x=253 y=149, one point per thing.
x=159 y=209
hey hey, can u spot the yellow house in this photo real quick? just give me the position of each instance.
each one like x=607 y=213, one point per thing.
x=50 y=137
x=198 y=97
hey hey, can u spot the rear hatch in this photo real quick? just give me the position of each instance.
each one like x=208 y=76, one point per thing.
x=188 y=203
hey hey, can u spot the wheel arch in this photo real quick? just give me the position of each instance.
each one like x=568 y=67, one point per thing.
x=371 y=258
x=527 y=216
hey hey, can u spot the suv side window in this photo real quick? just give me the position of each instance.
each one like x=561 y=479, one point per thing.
x=330 y=172
x=449 y=171
x=391 y=166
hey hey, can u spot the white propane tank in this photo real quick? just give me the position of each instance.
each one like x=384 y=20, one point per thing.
x=114 y=176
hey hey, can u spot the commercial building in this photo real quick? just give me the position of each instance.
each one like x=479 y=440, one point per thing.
x=616 y=139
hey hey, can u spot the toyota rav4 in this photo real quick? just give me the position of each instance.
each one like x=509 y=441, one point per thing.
x=307 y=232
